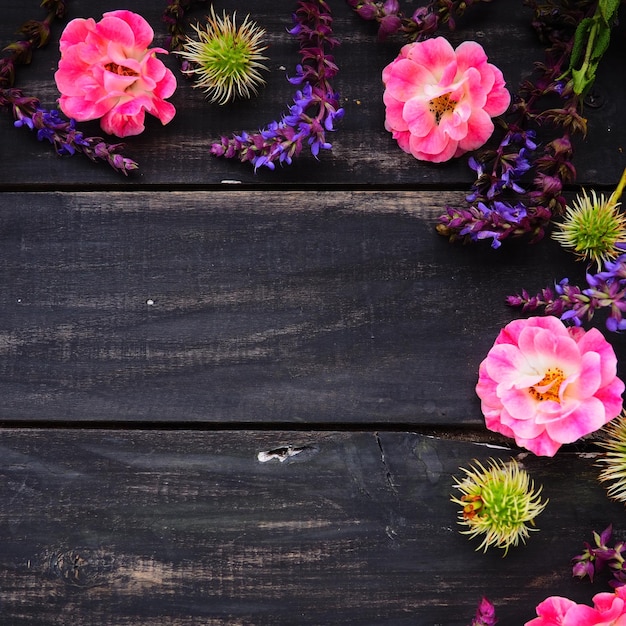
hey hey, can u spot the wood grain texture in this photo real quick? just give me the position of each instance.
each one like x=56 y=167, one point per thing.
x=364 y=153
x=314 y=306
x=250 y=307
x=178 y=528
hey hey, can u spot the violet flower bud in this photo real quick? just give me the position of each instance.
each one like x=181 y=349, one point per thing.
x=485 y=614
x=562 y=146
x=22 y=51
x=391 y=7
x=550 y=185
x=36 y=31
x=315 y=106
x=367 y=12
x=582 y=569
x=389 y=25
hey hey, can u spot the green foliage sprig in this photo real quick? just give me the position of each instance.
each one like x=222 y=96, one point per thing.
x=591 y=41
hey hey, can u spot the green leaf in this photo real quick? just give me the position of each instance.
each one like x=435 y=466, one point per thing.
x=581 y=36
x=591 y=40
x=608 y=9
x=603 y=38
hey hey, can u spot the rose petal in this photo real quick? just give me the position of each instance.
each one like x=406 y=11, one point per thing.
x=435 y=54
x=470 y=54
x=406 y=79
x=418 y=117
x=141 y=29
x=543 y=445
x=479 y=129
x=498 y=99
x=394 y=119
x=507 y=365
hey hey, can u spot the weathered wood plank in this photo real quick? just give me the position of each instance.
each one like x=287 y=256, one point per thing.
x=250 y=307
x=364 y=153
x=173 y=527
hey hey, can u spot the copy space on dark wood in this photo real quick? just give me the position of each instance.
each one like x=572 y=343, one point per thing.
x=249 y=307
x=364 y=152
x=104 y=527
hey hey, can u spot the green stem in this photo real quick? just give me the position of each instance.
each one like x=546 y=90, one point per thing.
x=589 y=49
x=616 y=195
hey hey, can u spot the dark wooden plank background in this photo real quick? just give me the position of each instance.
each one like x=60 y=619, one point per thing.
x=109 y=527
x=159 y=332
x=238 y=306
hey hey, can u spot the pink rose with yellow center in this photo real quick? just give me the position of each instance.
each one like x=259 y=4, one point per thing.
x=440 y=101
x=545 y=384
x=108 y=72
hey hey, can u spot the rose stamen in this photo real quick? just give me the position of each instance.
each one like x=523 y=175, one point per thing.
x=549 y=386
x=440 y=105
x=120 y=70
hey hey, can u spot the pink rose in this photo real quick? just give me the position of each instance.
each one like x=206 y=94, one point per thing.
x=440 y=101
x=107 y=72
x=552 y=612
x=608 y=608
x=545 y=384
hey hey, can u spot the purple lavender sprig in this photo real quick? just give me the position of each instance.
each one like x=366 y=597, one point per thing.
x=424 y=22
x=519 y=185
x=62 y=133
x=604 y=290
x=502 y=205
x=33 y=34
x=600 y=556
x=496 y=210
x=315 y=107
